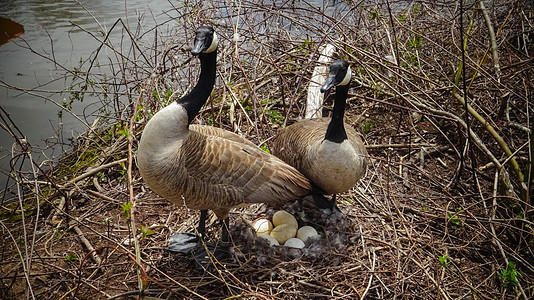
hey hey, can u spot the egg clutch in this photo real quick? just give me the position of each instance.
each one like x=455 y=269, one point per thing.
x=284 y=230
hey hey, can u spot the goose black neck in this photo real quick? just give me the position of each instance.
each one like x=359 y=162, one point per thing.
x=194 y=101
x=336 y=128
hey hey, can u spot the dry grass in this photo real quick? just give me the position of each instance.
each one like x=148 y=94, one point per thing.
x=425 y=195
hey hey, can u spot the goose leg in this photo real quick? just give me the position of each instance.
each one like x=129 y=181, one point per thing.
x=334 y=204
x=322 y=202
x=202 y=223
x=300 y=211
x=335 y=209
x=216 y=251
x=225 y=237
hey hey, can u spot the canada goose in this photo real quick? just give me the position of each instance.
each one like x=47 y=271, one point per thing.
x=208 y=168
x=326 y=150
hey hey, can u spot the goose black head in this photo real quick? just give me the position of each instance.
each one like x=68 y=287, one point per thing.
x=339 y=74
x=206 y=40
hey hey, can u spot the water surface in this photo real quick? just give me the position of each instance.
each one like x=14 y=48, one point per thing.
x=56 y=36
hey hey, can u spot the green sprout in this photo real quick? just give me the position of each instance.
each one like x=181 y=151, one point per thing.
x=510 y=276
x=454 y=219
x=368 y=126
x=264 y=148
x=443 y=260
x=145 y=231
x=71 y=257
x=126 y=209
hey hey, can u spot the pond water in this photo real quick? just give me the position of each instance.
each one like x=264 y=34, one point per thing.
x=55 y=35
x=52 y=29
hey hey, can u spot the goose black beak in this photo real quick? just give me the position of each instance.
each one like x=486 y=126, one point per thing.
x=330 y=82
x=198 y=47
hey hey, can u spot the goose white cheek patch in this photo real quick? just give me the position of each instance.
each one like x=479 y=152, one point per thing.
x=347 y=77
x=214 y=44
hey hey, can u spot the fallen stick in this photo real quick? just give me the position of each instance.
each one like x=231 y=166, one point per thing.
x=87 y=245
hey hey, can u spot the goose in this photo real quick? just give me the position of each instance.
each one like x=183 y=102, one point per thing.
x=326 y=150
x=208 y=168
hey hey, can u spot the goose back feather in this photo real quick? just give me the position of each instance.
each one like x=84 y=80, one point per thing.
x=222 y=133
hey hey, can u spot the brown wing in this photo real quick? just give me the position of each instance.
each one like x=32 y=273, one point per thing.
x=222 y=173
x=219 y=132
x=293 y=142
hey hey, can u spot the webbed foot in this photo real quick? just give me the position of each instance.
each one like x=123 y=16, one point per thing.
x=210 y=253
x=184 y=242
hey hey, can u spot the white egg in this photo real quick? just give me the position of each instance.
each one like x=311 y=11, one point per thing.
x=269 y=238
x=262 y=226
x=283 y=217
x=294 y=243
x=306 y=232
x=284 y=232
